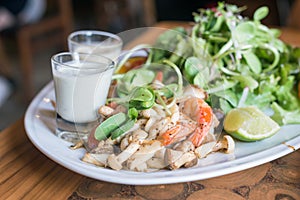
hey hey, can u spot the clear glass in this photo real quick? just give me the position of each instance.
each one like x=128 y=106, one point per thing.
x=96 y=42
x=81 y=83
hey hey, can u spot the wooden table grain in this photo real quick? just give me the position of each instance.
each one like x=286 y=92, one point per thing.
x=25 y=173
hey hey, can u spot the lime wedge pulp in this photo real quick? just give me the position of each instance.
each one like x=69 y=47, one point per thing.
x=249 y=124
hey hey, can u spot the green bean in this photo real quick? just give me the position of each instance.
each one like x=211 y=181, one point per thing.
x=112 y=123
x=122 y=129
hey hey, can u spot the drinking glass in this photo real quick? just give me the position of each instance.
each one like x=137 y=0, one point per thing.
x=81 y=83
x=95 y=42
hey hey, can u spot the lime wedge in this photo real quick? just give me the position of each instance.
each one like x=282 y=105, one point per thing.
x=249 y=124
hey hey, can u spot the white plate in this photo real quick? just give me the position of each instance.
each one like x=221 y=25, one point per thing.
x=40 y=126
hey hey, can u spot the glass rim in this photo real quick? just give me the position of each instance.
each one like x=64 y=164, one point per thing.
x=94 y=32
x=109 y=62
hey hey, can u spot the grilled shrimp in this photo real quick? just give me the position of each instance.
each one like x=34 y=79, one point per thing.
x=198 y=110
x=179 y=131
x=195 y=129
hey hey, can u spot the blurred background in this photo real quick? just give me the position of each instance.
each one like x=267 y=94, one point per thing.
x=31 y=31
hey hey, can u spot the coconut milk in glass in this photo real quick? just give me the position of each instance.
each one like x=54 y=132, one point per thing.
x=81 y=83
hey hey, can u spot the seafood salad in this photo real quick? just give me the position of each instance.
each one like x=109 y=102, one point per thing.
x=168 y=112
x=152 y=124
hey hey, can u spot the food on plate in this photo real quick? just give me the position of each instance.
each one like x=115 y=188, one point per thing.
x=170 y=133
x=155 y=120
x=249 y=124
x=167 y=111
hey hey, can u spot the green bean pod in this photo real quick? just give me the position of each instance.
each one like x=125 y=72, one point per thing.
x=104 y=130
x=122 y=129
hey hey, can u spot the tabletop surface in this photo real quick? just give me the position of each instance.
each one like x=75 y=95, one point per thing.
x=26 y=173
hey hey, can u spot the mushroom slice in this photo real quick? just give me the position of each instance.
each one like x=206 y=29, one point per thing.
x=150 y=122
x=185 y=146
x=149 y=113
x=157 y=127
x=144 y=153
x=159 y=110
x=139 y=135
x=188 y=157
x=158 y=160
x=156 y=163
x=115 y=162
x=191 y=163
x=203 y=150
x=141 y=122
x=210 y=137
x=227 y=144
x=230 y=144
x=160 y=153
x=172 y=155
x=124 y=143
x=104 y=147
x=96 y=159
x=130 y=150
x=175 y=114
x=105 y=111
x=142 y=167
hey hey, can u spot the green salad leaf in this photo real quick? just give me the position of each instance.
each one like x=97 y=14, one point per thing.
x=283 y=116
x=261 y=13
x=224 y=53
x=133 y=79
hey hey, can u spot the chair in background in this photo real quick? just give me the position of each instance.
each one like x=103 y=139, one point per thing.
x=121 y=15
x=294 y=15
x=52 y=29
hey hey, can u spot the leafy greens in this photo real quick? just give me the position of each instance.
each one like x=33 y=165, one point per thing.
x=227 y=54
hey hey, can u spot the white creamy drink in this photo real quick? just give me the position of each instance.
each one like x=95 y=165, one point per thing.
x=79 y=93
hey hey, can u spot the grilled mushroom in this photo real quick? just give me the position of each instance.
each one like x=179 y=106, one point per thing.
x=205 y=149
x=144 y=153
x=185 y=146
x=115 y=162
x=227 y=144
x=189 y=159
x=158 y=160
x=105 y=111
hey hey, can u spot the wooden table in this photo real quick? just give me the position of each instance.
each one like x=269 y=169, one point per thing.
x=25 y=173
